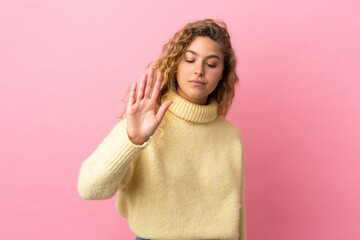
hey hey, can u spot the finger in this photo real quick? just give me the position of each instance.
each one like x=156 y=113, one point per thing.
x=157 y=86
x=150 y=75
x=140 y=92
x=132 y=94
x=160 y=114
x=155 y=63
x=149 y=82
x=137 y=86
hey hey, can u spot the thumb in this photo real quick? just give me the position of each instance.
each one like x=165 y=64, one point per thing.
x=160 y=114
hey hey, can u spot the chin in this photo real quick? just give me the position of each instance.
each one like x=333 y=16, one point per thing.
x=195 y=94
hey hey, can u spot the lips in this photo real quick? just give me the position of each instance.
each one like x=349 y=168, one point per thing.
x=198 y=82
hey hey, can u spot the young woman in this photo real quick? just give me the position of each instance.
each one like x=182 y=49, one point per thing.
x=175 y=161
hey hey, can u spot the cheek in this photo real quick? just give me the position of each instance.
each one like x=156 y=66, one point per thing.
x=181 y=71
x=218 y=75
x=179 y=67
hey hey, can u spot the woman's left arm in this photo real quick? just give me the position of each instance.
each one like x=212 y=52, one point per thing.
x=242 y=230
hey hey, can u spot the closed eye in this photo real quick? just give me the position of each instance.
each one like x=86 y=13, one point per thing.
x=189 y=61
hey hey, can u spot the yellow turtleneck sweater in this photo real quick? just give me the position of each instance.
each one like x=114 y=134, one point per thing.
x=188 y=185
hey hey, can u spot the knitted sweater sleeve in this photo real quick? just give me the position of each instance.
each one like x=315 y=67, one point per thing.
x=110 y=166
x=242 y=230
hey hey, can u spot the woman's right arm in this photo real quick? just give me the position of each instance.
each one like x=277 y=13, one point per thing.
x=110 y=166
x=103 y=171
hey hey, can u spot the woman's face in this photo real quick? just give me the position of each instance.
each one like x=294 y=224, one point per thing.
x=200 y=70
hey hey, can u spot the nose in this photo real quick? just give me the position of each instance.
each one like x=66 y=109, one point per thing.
x=199 y=69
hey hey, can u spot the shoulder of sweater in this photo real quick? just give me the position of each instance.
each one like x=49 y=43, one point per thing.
x=229 y=125
x=226 y=123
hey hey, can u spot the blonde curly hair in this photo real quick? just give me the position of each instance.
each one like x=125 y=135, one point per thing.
x=173 y=51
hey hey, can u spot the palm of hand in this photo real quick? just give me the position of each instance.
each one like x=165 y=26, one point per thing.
x=142 y=120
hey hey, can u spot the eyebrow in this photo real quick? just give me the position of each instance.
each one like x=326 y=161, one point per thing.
x=210 y=56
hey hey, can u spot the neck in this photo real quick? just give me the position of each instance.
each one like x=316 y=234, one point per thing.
x=190 y=111
x=200 y=101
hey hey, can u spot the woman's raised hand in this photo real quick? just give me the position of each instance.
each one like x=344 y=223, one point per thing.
x=142 y=120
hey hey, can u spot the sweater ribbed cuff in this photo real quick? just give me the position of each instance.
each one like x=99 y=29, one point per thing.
x=120 y=151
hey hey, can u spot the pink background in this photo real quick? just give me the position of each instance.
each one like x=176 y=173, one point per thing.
x=64 y=66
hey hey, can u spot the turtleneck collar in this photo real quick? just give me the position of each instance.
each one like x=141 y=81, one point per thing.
x=192 y=112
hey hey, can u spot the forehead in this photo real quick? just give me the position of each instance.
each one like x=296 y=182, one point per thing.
x=205 y=46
